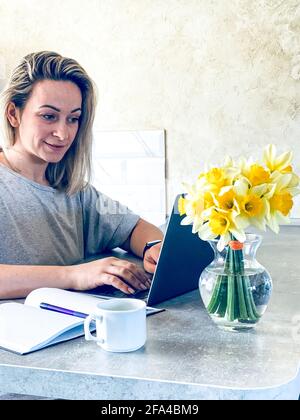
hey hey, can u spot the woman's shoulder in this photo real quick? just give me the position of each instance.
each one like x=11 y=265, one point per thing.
x=90 y=192
x=92 y=198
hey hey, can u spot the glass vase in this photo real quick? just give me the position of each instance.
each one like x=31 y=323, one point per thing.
x=235 y=287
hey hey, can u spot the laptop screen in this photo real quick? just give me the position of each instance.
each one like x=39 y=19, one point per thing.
x=182 y=258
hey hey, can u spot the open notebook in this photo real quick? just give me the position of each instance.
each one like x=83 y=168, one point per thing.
x=27 y=327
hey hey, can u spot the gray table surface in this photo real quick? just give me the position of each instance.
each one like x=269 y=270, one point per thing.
x=186 y=356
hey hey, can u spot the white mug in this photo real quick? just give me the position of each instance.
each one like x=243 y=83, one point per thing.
x=120 y=325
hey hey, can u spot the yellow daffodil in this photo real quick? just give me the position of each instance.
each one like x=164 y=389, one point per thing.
x=225 y=200
x=219 y=223
x=216 y=177
x=208 y=200
x=280 y=199
x=282 y=202
x=251 y=205
x=257 y=175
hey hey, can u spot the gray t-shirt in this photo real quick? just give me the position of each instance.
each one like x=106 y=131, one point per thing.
x=42 y=226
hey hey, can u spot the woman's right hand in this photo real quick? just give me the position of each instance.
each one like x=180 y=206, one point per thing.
x=121 y=274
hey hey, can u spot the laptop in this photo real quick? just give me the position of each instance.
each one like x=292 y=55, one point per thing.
x=183 y=256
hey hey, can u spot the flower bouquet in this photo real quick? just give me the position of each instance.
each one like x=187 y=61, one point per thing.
x=221 y=205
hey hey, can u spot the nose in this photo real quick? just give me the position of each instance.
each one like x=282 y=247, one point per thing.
x=61 y=132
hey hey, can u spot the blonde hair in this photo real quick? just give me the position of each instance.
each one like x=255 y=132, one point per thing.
x=73 y=172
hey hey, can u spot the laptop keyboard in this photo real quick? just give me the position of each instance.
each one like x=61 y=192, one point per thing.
x=111 y=291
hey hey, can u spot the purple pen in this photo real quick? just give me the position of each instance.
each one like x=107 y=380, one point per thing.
x=61 y=310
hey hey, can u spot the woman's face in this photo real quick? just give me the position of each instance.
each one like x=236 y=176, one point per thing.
x=49 y=122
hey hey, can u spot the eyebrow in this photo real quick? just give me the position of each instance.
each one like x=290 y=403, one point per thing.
x=57 y=109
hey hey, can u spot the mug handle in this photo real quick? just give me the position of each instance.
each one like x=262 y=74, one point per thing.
x=87 y=323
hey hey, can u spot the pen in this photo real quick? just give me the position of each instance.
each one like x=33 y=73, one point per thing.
x=66 y=311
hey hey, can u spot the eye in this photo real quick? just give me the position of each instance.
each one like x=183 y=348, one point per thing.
x=48 y=117
x=73 y=120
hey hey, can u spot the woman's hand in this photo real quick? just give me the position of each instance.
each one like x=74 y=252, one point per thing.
x=151 y=258
x=121 y=274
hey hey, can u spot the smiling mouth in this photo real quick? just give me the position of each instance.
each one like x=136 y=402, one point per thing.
x=56 y=146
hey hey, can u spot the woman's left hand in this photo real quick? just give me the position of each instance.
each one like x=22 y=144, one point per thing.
x=151 y=257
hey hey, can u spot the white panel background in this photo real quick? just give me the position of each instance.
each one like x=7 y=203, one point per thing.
x=129 y=166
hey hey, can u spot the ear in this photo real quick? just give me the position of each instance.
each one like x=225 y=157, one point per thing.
x=13 y=115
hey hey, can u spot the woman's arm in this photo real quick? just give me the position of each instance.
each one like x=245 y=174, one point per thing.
x=18 y=281
x=142 y=233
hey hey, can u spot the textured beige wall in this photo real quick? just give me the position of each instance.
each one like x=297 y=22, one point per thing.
x=221 y=76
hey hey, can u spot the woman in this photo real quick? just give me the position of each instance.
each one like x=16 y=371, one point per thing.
x=50 y=217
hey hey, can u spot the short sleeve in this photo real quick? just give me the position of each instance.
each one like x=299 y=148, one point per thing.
x=106 y=223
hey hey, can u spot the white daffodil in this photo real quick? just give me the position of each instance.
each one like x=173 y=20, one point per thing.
x=288 y=180
x=278 y=163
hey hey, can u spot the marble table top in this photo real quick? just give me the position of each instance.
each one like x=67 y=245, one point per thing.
x=186 y=355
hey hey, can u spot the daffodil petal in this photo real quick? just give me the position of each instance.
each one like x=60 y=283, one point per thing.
x=223 y=241
x=205 y=232
x=242 y=222
x=221 y=244
x=259 y=223
x=260 y=190
x=224 y=190
x=281 y=219
x=293 y=191
x=188 y=220
x=238 y=234
x=272 y=189
x=198 y=222
x=241 y=187
x=283 y=181
x=206 y=213
x=283 y=160
x=272 y=223
x=267 y=208
x=269 y=155
x=295 y=181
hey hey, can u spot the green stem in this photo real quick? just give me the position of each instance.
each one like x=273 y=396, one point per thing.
x=243 y=313
x=253 y=315
x=221 y=309
x=214 y=300
x=231 y=287
x=230 y=298
x=232 y=294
